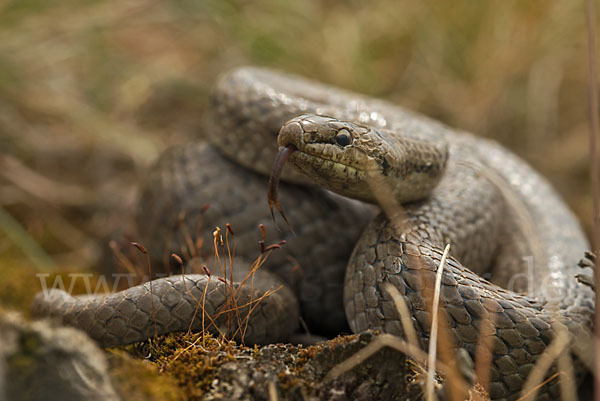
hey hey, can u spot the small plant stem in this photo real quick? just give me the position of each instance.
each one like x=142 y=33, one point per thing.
x=590 y=13
x=434 y=328
x=17 y=234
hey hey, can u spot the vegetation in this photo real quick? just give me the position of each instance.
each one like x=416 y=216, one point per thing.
x=92 y=91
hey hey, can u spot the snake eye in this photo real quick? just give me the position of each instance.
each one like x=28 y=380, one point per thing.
x=343 y=137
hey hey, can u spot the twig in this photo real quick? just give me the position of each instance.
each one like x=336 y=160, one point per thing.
x=542 y=365
x=429 y=395
x=272 y=391
x=13 y=170
x=593 y=114
x=590 y=14
x=17 y=234
x=483 y=355
x=383 y=340
x=405 y=315
x=542 y=384
x=189 y=242
x=143 y=250
x=568 y=385
x=123 y=261
x=230 y=255
x=204 y=304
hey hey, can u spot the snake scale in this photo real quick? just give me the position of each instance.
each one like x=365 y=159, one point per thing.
x=503 y=221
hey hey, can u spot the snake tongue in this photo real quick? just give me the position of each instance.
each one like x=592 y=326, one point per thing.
x=273 y=195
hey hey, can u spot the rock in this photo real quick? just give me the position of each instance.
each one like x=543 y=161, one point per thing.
x=296 y=373
x=42 y=361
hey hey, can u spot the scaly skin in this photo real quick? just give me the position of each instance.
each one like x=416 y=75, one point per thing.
x=488 y=204
x=310 y=267
x=493 y=210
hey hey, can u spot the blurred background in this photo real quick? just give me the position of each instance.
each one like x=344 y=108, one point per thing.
x=91 y=92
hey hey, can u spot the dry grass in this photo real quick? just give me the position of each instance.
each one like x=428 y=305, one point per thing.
x=223 y=260
x=432 y=352
x=89 y=102
x=91 y=92
x=594 y=131
x=558 y=353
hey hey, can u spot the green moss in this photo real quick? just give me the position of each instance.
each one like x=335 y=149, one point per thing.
x=18 y=285
x=21 y=282
x=22 y=365
x=136 y=379
x=189 y=360
x=27 y=370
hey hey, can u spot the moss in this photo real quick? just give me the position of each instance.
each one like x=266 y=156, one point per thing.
x=309 y=353
x=22 y=365
x=18 y=285
x=189 y=360
x=136 y=379
x=21 y=282
x=192 y=361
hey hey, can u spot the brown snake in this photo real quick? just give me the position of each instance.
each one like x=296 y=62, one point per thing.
x=500 y=217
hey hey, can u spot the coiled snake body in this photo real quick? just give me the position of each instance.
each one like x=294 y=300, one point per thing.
x=500 y=217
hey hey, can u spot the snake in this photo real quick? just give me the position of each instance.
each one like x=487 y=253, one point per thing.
x=514 y=244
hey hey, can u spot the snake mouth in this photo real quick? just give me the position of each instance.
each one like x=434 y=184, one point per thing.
x=323 y=141
x=273 y=194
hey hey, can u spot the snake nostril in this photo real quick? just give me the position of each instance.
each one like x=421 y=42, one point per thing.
x=343 y=137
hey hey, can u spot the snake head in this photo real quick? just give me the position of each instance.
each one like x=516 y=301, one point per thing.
x=356 y=160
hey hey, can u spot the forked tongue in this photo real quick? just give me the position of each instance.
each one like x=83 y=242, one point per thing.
x=273 y=195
